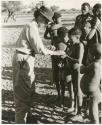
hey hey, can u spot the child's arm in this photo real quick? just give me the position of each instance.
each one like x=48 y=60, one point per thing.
x=80 y=53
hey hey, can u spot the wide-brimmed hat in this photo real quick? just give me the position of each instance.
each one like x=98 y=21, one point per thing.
x=47 y=13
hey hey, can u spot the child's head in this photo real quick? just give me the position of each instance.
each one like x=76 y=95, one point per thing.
x=95 y=51
x=97 y=10
x=74 y=35
x=56 y=17
x=62 y=33
x=85 y=8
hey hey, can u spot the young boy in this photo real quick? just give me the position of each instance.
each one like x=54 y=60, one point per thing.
x=51 y=29
x=90 y=82
x=51 y=33
x=73 y=67
x=61 y=44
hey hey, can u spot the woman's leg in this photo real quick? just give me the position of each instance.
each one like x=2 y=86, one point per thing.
x=93 y=111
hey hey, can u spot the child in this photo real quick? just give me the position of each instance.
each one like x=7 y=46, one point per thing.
x=90 y=82
x=51 y=29
x=51 y=33
x=73 y=67
x=61 y=44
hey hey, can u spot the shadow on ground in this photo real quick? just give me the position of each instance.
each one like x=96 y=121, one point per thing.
x=45 y=108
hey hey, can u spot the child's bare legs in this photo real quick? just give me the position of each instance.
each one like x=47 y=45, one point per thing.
x=72 y=96
x=62 y=90
x=93 y=112
x=66 y=76
x=77 y=91
x=55 y=70
x=58 y=91
x=73 y=103
x=93 y=107
x=80 y=101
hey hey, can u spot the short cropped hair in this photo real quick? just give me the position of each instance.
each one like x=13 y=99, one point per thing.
x=62 y=31
x=75 y=31
x=86 y=4
x=56 y=15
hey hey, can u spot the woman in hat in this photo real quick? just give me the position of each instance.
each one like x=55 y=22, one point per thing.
x=28 y=44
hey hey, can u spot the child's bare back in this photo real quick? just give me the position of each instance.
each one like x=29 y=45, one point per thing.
x=91 y=79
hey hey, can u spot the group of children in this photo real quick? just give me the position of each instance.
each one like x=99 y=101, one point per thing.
x=81 y=66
